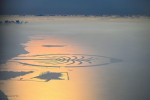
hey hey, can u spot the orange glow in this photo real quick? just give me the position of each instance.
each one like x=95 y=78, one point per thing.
x=35 y=46
x=71 y=87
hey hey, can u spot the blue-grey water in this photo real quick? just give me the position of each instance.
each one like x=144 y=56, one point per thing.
x=61 y=52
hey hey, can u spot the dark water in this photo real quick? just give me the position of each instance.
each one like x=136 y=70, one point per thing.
x=3 y=96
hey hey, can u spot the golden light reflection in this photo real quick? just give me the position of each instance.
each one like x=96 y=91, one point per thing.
x=61 y=46
x=69 y=83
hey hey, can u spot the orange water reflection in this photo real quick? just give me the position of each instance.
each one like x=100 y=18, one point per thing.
x=72 y=85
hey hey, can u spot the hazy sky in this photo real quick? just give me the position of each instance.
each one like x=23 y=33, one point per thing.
x=75 y=7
